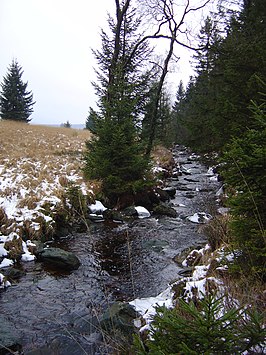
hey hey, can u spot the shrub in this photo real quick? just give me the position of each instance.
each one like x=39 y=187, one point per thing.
x=203 y=329
x=244 y=171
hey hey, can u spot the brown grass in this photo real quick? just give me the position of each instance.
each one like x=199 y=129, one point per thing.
x=38 y=162
x=163 y=157
x=39 y=143
x=40 y=153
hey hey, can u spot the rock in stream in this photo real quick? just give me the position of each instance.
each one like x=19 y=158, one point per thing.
x=57 y=312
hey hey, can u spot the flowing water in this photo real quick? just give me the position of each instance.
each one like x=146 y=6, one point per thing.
x=58 y=313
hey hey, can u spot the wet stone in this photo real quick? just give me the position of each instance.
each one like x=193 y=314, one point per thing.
x=119 y=316
x=171 y=191
x=165 y=210
x=155 y=244
x=56 y=311
x=9 y=339
x=13 y=273
x=60 y=258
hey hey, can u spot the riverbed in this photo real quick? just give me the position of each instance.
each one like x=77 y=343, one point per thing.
x=58 y=312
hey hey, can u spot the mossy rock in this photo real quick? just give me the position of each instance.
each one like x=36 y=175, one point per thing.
x=165 y=210
x=59 y=258
x=119 y=317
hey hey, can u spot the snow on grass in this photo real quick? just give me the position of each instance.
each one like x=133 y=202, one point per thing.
x=27 y=255
x=5 y=263
x=3 y=282
x=147 y=306
x=3 y=251
x=37 y=165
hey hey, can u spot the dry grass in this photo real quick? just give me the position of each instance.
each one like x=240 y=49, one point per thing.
x=39 y=143
x=37 y=163
x=40 y=153
x=162 y=157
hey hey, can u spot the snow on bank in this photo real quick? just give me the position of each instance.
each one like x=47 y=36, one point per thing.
x=142 y=212
x=3 y=282
x=200 y=217
x=97 y=208
x=147 y=306
x=197 y=285
x=30 y=192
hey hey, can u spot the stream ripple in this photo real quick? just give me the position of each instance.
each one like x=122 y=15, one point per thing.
x=58 y=313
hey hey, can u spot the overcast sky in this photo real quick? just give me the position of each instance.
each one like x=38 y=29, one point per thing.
x=52 y=41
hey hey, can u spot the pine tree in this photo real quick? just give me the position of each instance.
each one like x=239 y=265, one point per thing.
x=163 y=133
x=91 y=119
x=114 y=155
x=15 y=101
x=179 y=114
x=208 y=328
x=216 y=107
x=244 y=173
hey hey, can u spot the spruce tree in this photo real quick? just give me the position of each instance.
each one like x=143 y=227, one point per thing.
x=216 y=107
x=114 y=155
x=244 y=173
x=15 y=101
x=163 y=129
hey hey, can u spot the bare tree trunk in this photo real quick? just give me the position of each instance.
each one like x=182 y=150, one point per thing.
x=154 y=117
x=120 y=14
x=167 y=14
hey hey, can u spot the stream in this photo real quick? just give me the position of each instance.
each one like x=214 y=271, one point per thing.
x=58 y=313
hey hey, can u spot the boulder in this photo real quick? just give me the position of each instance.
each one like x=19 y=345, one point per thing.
x=9 y=340
x=163 y=195
x=171 y=191
x=130 y=211
x=165 y=210
x=59 y=258
x=112 y=215
x=119 y=316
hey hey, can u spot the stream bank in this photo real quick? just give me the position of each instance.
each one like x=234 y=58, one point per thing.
x=59 y=312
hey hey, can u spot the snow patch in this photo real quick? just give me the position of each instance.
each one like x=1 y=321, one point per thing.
x=142 y=212
x=27 y=255
x=147 y=306
x=3 y=251
x=6 y=263
x=200 y=217
x=4 y=283
x=97 y=207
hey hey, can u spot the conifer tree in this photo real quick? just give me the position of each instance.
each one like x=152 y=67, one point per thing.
x=163 y=125
x=244 y=172
x=216 y=107
x=115 y=156
x=15 y=101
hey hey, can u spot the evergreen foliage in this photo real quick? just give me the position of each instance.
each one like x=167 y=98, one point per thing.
x=91 y=120
x=217 y=99
x=164 y=133
x=205 y=329
x=114 y=155
x=15 y=101
x=67 y=124
x=244 y=172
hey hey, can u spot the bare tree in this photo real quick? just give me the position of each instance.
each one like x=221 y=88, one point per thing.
x=169 y=23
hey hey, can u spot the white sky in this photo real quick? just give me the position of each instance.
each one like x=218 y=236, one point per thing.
x=52 y=41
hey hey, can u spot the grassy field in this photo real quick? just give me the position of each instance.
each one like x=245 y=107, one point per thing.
x=37 y=163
